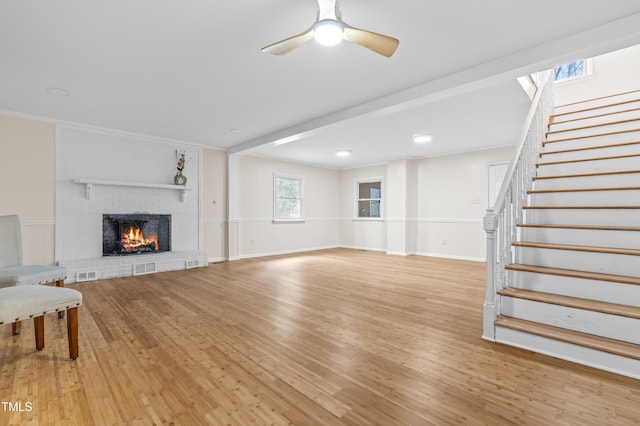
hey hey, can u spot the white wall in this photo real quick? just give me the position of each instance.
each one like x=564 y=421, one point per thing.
x=214 y=204
x=432 y=206
x=252 y=217
x=613 y=73
x=358 y=233
x=441 y=199
x=96 y=154
x=27 y=185
x=451 y=202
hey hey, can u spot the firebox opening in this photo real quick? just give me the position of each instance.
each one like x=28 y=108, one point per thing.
x=129 y=234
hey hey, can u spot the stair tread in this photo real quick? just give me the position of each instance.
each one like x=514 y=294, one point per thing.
x=574 y=274
x=595 y=116
x=623 y=172
x=616 y=188
x=583 y=227
x=591 y=249
x=619 y=132
x=597 y=106
x=582 y=160
x=588 y=148
x=582 y=207
x=612 y=346
x=592 y=126
x=573 y=302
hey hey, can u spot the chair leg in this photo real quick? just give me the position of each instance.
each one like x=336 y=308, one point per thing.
x=60 y=283
x=16 y=328
x=38 y=326
x=72 y=332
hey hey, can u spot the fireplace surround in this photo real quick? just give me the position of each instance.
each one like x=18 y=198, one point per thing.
x=135 y=234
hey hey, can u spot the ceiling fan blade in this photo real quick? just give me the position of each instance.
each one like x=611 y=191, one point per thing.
x=379 y=43
x=288 y=44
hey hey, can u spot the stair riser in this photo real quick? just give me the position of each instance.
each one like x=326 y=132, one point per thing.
x=594 y=166
x=593 y=141
x=608 y=128
x=604 y=181
x=590 y=120
x=591 y=322
x=573 y=353
x=606 y=291
x=591 y=153
x=605 y=263
x=602 y=217
x=587 y=198
x=605 y=104
x=582 y=237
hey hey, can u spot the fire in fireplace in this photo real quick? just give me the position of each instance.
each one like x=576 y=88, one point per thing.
x=125 y=234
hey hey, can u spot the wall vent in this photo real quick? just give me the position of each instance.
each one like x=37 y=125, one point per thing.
x=86 y=276
x=144 y=268
x=193 y=263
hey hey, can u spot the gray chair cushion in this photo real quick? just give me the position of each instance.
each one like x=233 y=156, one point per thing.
x=27 y=301
x=31 y=274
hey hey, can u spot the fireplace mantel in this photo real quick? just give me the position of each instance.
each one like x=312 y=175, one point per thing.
x=88 y=183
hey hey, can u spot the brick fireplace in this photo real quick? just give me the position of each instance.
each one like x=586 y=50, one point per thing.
x=115 y=218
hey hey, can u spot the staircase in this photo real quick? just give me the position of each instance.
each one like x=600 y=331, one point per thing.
x=572 y=288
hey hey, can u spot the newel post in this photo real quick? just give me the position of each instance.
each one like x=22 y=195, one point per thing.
x=488 y=328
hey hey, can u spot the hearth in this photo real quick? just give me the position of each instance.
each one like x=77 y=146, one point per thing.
x=131 y=234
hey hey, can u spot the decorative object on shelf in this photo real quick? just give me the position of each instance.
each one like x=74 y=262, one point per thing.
x=179 y=178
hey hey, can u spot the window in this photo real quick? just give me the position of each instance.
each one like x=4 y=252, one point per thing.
x=577 y=69
x=369 y=198
x=287 y=202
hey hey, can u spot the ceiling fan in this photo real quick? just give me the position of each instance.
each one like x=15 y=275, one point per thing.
x=329 y=29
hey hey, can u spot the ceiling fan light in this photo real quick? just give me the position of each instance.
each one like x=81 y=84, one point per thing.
x=328 y=32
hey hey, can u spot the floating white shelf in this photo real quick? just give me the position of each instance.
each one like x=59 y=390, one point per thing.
x=88 y=183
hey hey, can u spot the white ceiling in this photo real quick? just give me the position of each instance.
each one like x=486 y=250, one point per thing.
x=193 y=71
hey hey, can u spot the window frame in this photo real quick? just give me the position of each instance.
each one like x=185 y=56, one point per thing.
x=357 y=199
x=300 y=179
x=588 y=71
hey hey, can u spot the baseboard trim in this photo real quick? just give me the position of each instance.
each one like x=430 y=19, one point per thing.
x=363 y=248
x=451 y=256
x=282 y=252
x=382 y=250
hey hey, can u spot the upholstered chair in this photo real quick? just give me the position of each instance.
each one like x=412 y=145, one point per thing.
x=13 y=272
x=23 y=302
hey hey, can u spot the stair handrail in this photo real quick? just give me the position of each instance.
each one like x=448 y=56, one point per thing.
x=500 y=220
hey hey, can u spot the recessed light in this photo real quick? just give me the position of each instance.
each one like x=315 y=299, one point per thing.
x=235 y=130
x=422 y=138
x=57 y=91
x=343 y=153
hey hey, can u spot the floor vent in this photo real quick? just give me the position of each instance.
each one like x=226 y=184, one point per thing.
x=86 y=276
x=144 y=268
x=193 y=263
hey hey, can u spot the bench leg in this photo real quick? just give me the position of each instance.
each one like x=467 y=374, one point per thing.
x=16 y=328
x=72 y=332
x=60 y=283
x=38 y=326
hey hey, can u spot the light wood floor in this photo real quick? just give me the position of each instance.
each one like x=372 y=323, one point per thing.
x=336 y=337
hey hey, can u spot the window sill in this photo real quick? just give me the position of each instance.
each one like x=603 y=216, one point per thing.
x=369 y=219
x=279 y=221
